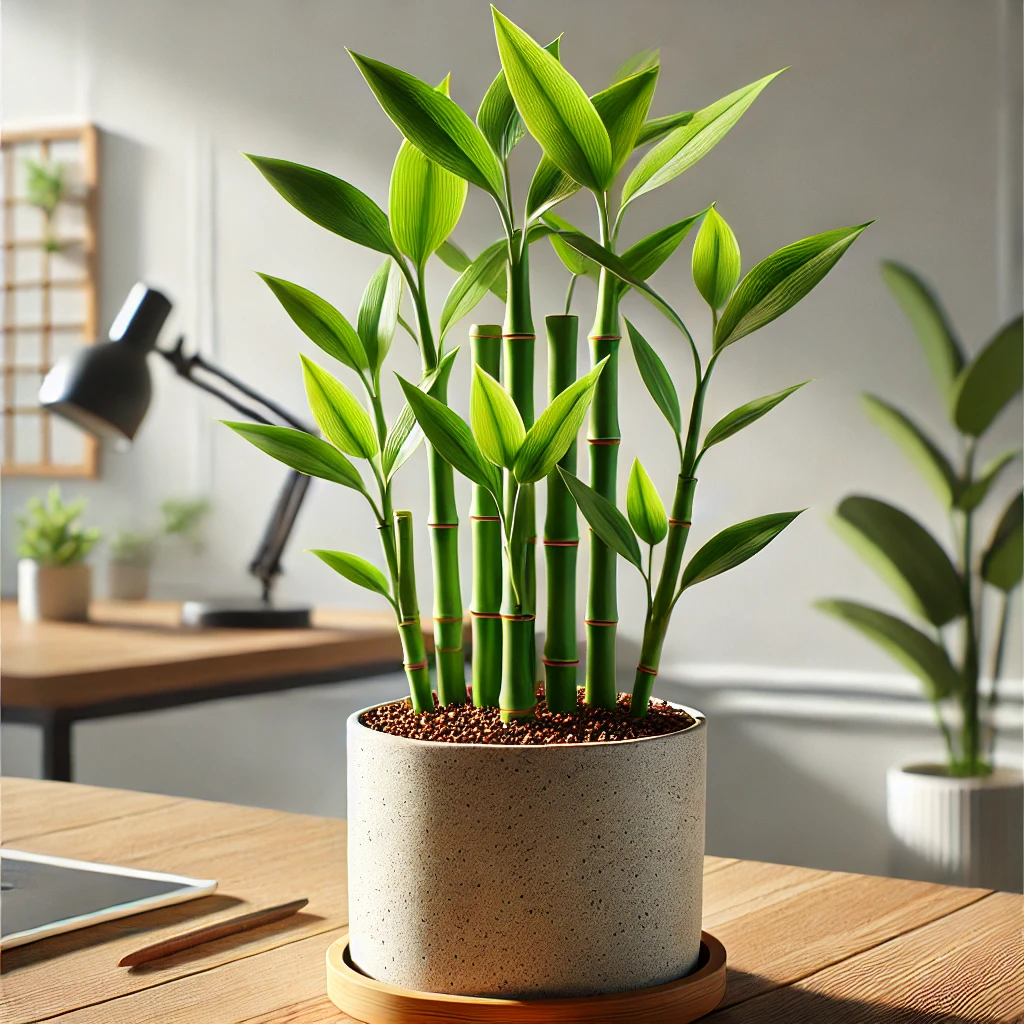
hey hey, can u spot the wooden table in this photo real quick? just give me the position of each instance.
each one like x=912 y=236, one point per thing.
x=805 y=947
x=135 y=656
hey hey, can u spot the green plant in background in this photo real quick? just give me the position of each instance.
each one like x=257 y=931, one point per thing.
x=51 y=533
x=46 y=188
x=183 y=519
x=129 y=547
x=945 y=592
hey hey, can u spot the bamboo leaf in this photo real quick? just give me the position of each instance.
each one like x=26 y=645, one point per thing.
x=684 y=146
x=646 y=257
x=779 y=282
x=473 y=284
x=733 y=546
x=642 y=61
x=610 y=525
x=656 y=128
x=990 y=380
x=451 y=437
x=716 y=260
x=910 y=647
x=303 y=452
x=656 y=378
x=1003 y=562
x=495 y=420
x=356 y=570
x=974 y=494
x=556 y=428
x=452 y=256
x=320 y=322
x=378 y=313
x=623 y=108
x=403 y=439
x=644 y=506
x=931 y=325
x=548 y=188
x=434 y=124
x=742 y=417
x=917 y=446
x=906 y=556
x=554 y=106
x=330 y=202
x=337 y=411
x=575 y=262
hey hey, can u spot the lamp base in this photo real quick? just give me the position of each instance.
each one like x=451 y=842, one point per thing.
x=244 y=613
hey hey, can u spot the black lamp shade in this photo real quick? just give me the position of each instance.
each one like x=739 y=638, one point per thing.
x=106 y=388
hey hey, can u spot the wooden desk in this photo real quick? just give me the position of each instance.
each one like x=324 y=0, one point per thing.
x=805 y=947
x=135 y=656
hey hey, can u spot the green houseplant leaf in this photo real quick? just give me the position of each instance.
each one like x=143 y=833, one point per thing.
x=716 y=260
x=549 y=186
x=623 y=108
x=330 y=202
x=303 y=452
x=356 y=570
x=742 y=417
x=402 y=440
x=497 y=425
x=1003 y=562
x=610 y=525
x=644 y=506
x=905 y=555
x=457 y=259
x=656 y=378
x=337 y=411
x=734 y=545
x=644 y=60
x=473 y=284
x=780 y=281
x=990 y=380
x=909 y=646
x=656 y=128
x=575 y=262
x=378 y=313
x=974 y=494
x=648 y=255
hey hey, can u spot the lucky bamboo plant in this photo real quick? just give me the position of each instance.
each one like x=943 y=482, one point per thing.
x=587 y=142
x=945 y=593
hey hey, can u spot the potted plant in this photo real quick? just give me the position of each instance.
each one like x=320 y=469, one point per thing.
x=53 y=580
x=509 y=839
x=958 y=820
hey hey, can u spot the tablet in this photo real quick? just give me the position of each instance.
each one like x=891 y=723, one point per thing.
x=42 y=895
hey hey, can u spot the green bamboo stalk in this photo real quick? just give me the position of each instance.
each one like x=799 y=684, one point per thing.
x=561 y=535
x=487 y=551
x=409 y=626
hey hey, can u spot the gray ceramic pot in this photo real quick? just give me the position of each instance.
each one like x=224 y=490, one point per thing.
x=529 y=871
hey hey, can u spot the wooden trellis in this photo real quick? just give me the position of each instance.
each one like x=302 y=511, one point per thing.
x=49 y=296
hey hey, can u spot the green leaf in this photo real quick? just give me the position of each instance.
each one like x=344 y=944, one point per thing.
x=554 y=106
x=906 y=556
x=330 y=202
x=1003 y=562
x=434 y=124
x=917 y=446
x=303 y=452
x=974 y=494
x=779 y=282
x=473 y=284
x=356 y=570
x=497 y=425
x=644 y=506
x=403 y=439
x=910 y=647
x=742 y=417
x=378 y=313
x=426 y=203
x=735 y=545
x=684 y=146
x=458 y=260
x=320 y=322
x=548 y=188
x=337 y=411
x=556 y=428
x=991 y=379
x=575 y=262
x=623 y=108
x=642 y=61
x=451 y=437
x=647 y=256
x=930 y=323
x=656 y=378
x=655 y=129
x=610 y=525
x=716 y=260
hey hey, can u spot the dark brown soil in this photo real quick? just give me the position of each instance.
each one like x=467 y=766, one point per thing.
x=468 y=724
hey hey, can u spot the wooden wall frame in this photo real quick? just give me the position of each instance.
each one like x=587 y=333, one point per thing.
x=33 y=443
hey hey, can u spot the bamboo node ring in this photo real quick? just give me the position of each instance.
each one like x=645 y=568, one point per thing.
x=443 y=526
x=416 y=667
x=486 y=519
x=558 y=663
x=649 y=671
x=604 y=440
x=561 y=543
x=484 y=615
x=685 y=523
x=601 y=622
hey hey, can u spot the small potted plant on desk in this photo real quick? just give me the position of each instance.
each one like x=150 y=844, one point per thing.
x=53 y=580
x=961 y=820
x=512 y=845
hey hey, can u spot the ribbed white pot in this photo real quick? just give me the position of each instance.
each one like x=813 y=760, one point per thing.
x=60 y=592
x=526 y=871
x=958 y=831
x=127 y=582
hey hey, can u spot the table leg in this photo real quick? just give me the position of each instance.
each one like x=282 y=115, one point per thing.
x=56 y=746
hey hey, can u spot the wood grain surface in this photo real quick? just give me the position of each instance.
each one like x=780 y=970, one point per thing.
x=803 y=945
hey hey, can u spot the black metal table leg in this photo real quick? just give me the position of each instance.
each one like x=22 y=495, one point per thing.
x=56 y=745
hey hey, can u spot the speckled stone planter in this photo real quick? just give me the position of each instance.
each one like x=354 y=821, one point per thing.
x=525 y=872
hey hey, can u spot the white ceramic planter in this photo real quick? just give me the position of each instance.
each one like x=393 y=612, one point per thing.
x=526 y=871
x=59 y=592
x=957 y=831
x=127 y=582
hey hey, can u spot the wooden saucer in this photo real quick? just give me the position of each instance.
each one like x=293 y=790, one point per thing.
x=678 y=1002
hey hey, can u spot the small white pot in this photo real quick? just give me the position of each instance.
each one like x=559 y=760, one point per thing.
x=525 y=871
x=58 y=592
x=127 y=582
x=958 y=831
